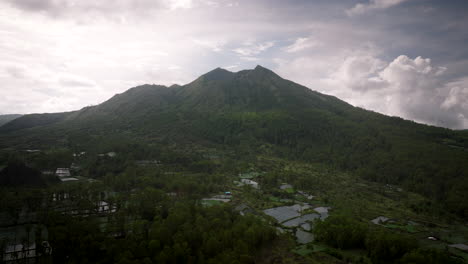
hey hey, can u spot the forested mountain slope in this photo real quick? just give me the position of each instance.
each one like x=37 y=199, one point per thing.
x=254 y=111
x=7 y=118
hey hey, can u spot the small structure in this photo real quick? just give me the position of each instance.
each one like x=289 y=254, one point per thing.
x=68 y=179
x=432 y=238
x=303 y=237
x=33 y=150
x=222 y=196
x=323 y=211
x=25 y=254
x=63 y=172
x=306 y=195
x=286 y=186
x=379 y=220
x=244 y=209
x=284 y=213
x=254 y=184
x=103 y=207
x=108 y=154
x=460 y=246
x=79 y=154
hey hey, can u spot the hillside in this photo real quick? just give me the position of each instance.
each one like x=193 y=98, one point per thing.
x=7 y=118
x=256 y=111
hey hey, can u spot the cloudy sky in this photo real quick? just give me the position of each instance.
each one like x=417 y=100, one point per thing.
x=406 y=58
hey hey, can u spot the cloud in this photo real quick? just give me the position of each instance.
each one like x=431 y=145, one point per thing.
x=45 y=90
x=360 y=8
x=214 y=45
x=102 y=8
x=250 y=49
x=69 y=80
x=411 y=88
x=455 y=101
x=302 y=44
x=360 y=73
x=419 y=91
x=184 y=4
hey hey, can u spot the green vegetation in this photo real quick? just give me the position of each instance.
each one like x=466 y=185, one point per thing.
x=148 y=160
x=185 y=233
x=382 y=246
x=17 y=173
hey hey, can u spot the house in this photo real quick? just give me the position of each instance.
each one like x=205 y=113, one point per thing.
x=254 y=184
x=25 y=253
x=63 y=172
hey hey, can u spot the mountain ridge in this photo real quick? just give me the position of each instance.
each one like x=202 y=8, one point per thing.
x=253 y=111
x=200 y=91
x=7 y=118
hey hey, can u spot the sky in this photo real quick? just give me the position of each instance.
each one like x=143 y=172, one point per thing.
x=406 y=58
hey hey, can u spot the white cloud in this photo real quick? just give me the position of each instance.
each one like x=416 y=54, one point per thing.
x=360 y=8
x=410 y=88
x=247 y=58
x=214 y=45
x=175 y=4
x=250 y=49
x=58 y=8
x=360 y=73
x=302 y=44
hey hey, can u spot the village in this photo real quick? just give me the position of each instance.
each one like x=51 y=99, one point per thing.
x=291 y=210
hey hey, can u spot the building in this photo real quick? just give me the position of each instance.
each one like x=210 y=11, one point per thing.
x=25 y=254
x=63 y=172
x=254 y=184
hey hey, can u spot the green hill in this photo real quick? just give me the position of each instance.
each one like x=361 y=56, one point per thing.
x=7 y=118
x=253 y=111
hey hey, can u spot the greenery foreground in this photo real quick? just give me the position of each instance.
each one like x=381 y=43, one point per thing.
x=156 y=210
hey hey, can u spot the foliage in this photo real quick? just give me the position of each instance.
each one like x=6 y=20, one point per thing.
x=341 y=232
x=187 y=233
x=16 y=173
x=382 y=246
x=428 y=256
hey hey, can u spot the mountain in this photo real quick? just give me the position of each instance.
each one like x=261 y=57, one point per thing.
x=257 y=112
x=7 y=118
